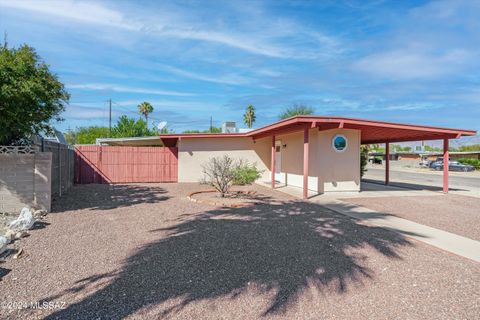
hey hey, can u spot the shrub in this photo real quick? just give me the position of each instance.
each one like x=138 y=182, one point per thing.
x=222 y=172
x=219 y=173
x=363 y=160
x=245 y=173
x=472 y=162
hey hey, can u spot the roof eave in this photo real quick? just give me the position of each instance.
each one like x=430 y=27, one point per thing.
x=435 y=132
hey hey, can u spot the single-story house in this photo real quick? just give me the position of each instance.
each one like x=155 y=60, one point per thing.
x=317 y=153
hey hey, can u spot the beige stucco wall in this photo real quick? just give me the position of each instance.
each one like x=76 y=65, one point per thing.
x=193 y=153
x=338 y=171
x=328 y=170
x=25 y=180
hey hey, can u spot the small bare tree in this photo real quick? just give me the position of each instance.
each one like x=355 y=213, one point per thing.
x=219 y=173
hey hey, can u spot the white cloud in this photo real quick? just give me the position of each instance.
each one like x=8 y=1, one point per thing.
x=176 y=24
x=247 y=43
x=116 y=88
x=79 y=112
x=225 y=79
x=81 y=11
x=174 y=105
x=413 y=64
x=432 y=41
x=409 y=107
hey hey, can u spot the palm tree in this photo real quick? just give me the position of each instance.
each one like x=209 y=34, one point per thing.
x=296 y=110
x=145 y=108
x=249 y=116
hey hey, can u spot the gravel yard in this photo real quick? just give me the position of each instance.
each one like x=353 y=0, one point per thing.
x=145 y=251
x=453 y=213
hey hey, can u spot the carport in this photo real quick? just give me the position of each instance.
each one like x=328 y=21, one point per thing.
x=372 y=132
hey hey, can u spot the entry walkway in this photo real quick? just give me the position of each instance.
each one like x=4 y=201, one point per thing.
x=444 y=240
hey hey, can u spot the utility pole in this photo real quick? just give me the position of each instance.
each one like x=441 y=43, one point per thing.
x=211 y=124
x=110 y=118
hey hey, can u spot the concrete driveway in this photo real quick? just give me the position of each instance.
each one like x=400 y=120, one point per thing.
x=145 y=251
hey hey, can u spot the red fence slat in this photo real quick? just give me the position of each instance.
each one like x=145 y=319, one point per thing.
x=108 y=164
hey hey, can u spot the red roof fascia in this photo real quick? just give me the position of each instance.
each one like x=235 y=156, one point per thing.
x=324 y=122
x=201 y=135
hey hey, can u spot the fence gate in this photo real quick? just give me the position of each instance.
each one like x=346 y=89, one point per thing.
x=107 y=164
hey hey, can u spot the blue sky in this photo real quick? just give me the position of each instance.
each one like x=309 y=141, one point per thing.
x=405 y=61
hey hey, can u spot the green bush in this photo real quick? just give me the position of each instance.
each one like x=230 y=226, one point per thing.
x=363 y=160
x=472 y=162
x=245 y=173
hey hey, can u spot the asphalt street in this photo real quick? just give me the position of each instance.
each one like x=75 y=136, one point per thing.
x=433 y=179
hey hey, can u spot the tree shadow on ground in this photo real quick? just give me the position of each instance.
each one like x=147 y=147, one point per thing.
x=280 y=247
x=4 y=272
x=401 y=186
x=106 y=197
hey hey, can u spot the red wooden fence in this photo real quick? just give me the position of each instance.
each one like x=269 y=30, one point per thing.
x=106 y=164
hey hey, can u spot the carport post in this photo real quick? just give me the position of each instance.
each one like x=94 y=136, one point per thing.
x=445 y=165
x=305 y=162
x=387 y=163
x=272 y=162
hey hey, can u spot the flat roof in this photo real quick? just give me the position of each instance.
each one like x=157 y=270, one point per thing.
x=131 y=141
x=372 y=131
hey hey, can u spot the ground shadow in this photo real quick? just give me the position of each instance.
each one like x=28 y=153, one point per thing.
x=280 y=247
x=404 y=185
x=39 y=225
x=106 y=197
x=4 y=272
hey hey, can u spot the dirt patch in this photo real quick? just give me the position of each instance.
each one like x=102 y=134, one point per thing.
x=233 y=199
x=452 y=213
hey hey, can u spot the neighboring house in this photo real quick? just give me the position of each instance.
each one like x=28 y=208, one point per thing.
x=320 y=154
x=416 y=156
x=455 y=155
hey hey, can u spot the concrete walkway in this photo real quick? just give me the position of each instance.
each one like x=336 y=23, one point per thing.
x=447 y=241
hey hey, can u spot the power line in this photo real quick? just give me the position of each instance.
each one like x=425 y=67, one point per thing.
x=127 y=110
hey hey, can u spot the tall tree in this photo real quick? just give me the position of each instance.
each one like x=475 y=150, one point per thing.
x=86 y=135
x=125 y=127
x=31 y=96
x=128 y=127
x=145 y=108
x=249 y=116
x=296 y=110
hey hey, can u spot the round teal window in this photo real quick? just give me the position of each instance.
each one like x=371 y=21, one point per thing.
x=339 y=143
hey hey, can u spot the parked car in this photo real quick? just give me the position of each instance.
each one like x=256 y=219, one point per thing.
x=431 y=163
x=375 y=160
x=452 y=166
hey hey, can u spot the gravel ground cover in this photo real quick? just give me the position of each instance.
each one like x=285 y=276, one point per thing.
x=453 y=213
x=145 y=251
x=237 y=196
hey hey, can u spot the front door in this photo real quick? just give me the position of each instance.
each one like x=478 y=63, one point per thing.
x=279 y=176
